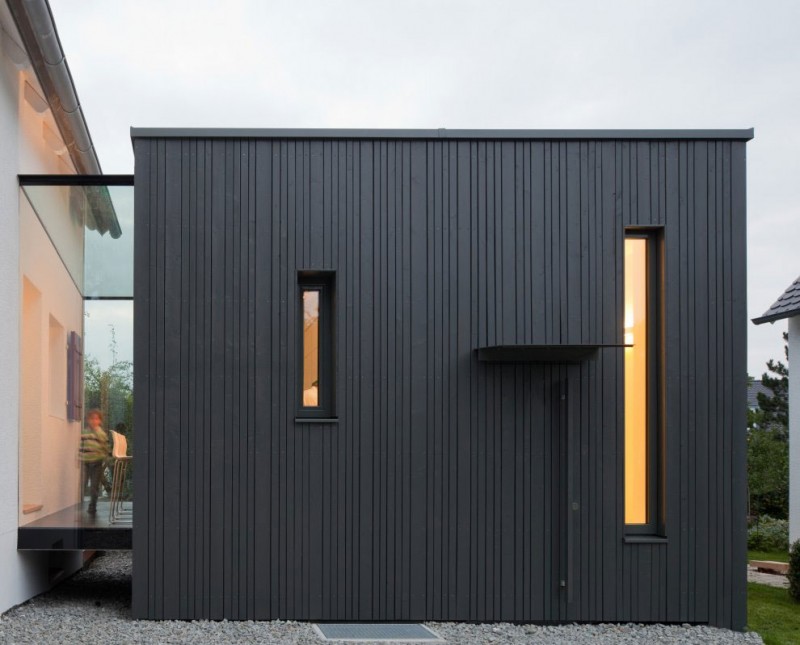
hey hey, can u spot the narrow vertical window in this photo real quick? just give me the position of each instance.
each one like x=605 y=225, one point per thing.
x=641 y=338
x=310 y=348
x=315 y=364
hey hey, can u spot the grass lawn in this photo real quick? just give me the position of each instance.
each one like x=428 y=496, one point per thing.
x=772 y=614
x=775 y=556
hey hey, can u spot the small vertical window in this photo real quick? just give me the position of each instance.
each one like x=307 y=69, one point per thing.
x=315 y=346
x=642 y=377
x=311 y=348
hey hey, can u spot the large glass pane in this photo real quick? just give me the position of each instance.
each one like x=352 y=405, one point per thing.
x=76 y=421
x=91 y=229
x=108 y=271
x=636 y=475
x=108 y=362
x=311 y=348
x=108 y=400
x=61 y=211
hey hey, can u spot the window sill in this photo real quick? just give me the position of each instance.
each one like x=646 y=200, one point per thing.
x=645 y=539
x=318 y=420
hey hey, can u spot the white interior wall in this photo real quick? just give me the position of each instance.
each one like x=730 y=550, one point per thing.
x=67 y=231
x=31 y=371
x=24 y=574
x=61 y=302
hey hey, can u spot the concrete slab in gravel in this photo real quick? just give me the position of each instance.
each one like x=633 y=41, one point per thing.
x=770 y=566
x=376 y=632
x=771 y=579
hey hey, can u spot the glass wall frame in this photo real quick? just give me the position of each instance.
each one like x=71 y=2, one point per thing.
x=87 y=224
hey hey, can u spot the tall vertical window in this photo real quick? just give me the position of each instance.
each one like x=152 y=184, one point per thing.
x=315 y=346
x=641 y=336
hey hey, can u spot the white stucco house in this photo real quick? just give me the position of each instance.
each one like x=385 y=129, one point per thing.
x=787 y=307
x=43 y=132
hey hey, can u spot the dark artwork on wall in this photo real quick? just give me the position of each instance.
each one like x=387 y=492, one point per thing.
x=75 y=377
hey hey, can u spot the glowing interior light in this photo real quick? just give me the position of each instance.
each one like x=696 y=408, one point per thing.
x=636 y=381
x=311 y=348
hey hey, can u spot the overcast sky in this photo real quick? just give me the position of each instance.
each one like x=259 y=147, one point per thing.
x=462 y=64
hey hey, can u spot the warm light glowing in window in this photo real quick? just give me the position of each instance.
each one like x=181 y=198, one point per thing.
x=311 y=348
x=635 y=335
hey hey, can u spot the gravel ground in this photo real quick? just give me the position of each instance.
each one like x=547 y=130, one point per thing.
x=94 y=607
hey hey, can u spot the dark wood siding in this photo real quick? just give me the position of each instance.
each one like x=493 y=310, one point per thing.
x=449 y=489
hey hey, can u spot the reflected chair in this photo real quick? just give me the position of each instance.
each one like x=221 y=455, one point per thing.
x=116 y=511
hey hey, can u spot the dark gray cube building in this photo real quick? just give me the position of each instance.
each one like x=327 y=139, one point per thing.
x=381 y=375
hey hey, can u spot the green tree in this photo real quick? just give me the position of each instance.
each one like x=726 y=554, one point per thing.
x=775 y=408
x=110 y=390
x=767 y=444
x=768 y=473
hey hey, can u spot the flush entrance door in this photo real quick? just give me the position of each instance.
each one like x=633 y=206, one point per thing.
x=555 y=513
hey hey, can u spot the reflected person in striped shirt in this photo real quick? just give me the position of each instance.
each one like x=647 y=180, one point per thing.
x=94 y=452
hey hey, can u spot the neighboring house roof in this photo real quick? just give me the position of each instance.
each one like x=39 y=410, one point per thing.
x=38 y=32
x=786 y=306
x=754 y=388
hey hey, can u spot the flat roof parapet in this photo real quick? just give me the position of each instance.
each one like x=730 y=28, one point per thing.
x=441 y=133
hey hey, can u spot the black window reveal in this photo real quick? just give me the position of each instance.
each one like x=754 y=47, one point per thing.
x=643 y=382
x=315 y=345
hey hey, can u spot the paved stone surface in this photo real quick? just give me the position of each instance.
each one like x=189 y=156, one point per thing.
x=771 y=579
x=94 y=607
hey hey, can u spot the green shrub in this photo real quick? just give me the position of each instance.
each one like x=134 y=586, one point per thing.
x=794 y=571
x=768 y=534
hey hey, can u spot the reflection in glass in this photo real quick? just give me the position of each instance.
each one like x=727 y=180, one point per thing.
x=61 y=216
x=91 y=228
x=108 y=388
x=636 y=381
x=76 y=355
x=310 y=348
x=108 y=271
x=108 y=360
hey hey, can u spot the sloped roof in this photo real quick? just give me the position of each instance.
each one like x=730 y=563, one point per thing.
x=786 y=306
x=34 y=22
x=754 y=388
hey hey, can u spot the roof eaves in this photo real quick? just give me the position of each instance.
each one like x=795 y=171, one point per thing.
x=786 y=306
x=37 y=29
x=775 y=317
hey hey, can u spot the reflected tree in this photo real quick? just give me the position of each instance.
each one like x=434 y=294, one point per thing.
x=110 y=390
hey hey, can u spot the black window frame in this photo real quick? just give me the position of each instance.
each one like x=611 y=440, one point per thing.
x=322 y=282
x=655 y=525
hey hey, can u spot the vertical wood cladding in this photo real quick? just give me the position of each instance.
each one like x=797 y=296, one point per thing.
x=449 y=489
